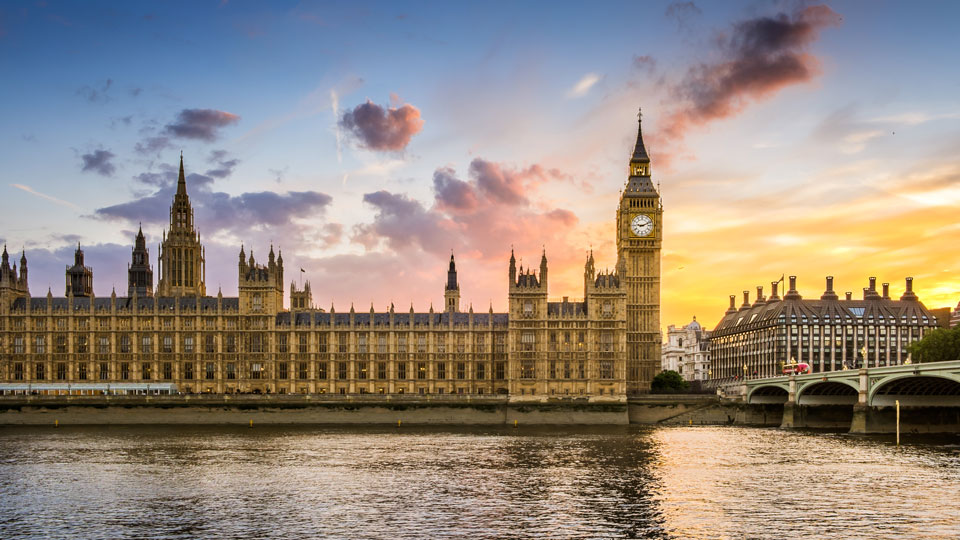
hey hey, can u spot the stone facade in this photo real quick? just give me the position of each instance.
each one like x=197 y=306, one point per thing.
x=686 y=351
x=177 y=335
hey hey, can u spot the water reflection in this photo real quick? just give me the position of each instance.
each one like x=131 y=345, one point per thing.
x=375 y=482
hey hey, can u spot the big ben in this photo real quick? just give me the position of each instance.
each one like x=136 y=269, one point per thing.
x=639 y=237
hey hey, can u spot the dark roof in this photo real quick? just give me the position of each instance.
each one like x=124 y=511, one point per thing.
x=819 y=311
x=640 y=186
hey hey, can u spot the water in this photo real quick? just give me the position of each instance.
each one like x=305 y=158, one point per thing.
x=377 y=482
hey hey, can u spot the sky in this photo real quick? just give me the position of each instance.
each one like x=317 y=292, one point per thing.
x=368 y=141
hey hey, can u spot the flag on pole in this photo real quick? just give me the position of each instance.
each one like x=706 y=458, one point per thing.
x=302 y=270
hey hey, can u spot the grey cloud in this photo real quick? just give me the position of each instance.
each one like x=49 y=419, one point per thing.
x=202 y=124
x=99 y=162
x=451 y=192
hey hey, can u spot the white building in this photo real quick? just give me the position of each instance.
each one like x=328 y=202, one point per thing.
x=686 y=351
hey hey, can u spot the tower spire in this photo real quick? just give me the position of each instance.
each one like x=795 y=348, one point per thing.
x=181 y=180
x=640 y=161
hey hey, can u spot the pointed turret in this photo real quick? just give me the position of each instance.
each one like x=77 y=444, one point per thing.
x=451 y=293
x=513 y=268
x=543 y=269
x=452 y=283
x=139 y=272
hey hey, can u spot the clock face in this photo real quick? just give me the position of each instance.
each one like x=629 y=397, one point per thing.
x=641 y=225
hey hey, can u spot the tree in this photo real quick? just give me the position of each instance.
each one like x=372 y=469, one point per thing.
x=669 y=382
x=938 y=346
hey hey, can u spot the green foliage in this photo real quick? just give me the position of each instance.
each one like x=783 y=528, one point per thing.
x=669 y=382
x=937 y=346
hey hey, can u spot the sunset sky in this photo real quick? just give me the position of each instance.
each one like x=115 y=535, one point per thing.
x=367 y=141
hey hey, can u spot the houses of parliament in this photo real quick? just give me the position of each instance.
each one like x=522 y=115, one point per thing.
x=176 y=338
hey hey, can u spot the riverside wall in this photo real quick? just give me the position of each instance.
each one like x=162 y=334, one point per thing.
x=327 y=409
x=305 y=409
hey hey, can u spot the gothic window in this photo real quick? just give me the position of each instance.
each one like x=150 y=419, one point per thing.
x=124 y=371
x=302 y=370
x=146 y=345
x=18 y=345
x=188 y=371
x=39 y=371
x=257 y=302
x=527 y=370
x=606 y=369
x=441 y=370
x=381 y=370
x=188 y=344
x=167 y=370
x=82 y=371
x=231 y=370
x=40 y=347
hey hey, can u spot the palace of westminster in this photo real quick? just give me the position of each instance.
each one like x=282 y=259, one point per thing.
x=176 y=338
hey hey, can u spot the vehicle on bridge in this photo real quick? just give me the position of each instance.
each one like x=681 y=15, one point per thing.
x=795 y=368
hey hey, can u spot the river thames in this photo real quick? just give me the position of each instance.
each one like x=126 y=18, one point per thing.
x=419 y=482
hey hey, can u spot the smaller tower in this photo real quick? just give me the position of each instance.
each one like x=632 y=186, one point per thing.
x=451 y=293
x=260 y=286
x=139 y=271
x=300 y=298
x=79 y=277
x=12 y=284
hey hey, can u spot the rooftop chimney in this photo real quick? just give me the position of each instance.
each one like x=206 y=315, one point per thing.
x=733 y=304
x=760 y=298
x=871 y=291
x=792 y=293
x=886 y=291
x=849 y=295
x=829 y=294
x=746 y=301
x=773 y=292
x=909 y=294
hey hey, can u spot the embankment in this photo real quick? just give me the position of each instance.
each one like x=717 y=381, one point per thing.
x=305 y=409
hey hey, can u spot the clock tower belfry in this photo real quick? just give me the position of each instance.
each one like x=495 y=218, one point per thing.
x=639 y=238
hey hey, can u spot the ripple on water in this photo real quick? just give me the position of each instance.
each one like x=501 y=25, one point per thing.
x=373 y=482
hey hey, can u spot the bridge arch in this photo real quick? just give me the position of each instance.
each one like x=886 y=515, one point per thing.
x=831 y=392
x=927 y=390
x=769 y=393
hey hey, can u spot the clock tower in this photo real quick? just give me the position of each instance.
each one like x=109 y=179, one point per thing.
x=639 y=237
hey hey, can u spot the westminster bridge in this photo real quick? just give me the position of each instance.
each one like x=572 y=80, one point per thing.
x=865 y=399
